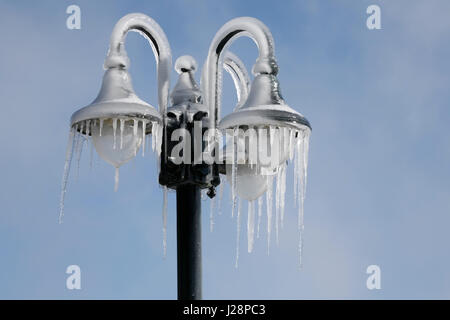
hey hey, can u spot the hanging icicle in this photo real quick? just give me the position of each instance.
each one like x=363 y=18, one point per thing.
x=300 y=185
x=88 y=129
x=91 y=151
x=238 y=233
x=283 y=193
x=159 y=141
x=65 y=177
x=79 y=149
x=260 y=204
x=269 y=211
x=288 y=145
x=153 y=126
x=277 y=205
x=122 y=127
x=143 y=137
x=101 y=127
x=234 y=174
x=114 y=123
x=135 y=133
x=250 y=226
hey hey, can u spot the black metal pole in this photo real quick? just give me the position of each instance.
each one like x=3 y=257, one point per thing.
x=189 y=242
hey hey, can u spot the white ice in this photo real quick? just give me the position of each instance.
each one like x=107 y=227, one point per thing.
x=250 y=226
x=65 y=177
x=238 y=233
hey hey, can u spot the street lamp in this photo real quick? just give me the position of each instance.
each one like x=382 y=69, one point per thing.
x=187 y=127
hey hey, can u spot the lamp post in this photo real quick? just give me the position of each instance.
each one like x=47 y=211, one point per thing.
x=118 y=121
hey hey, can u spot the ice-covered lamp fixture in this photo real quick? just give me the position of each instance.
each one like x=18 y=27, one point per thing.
x=117 y=120
x=262 y=134
x=263 y=126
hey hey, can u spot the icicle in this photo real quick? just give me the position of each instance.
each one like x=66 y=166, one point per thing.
x=122 y=125
x=233 y=195
x=286 y=149
x=101 y=127
x=272 y=136
x=76 y=139
x=219 y=202
x=279 y=140
x=153 y=124
x=302 y=154
x=164 y=216
x=301 y=227
x=296 y=147
x=116 y=180
x=300 y=250
x=143 y=137
x=250 y=141
x=305 y=160
x=158 y=145
x=114 y=131
x=260 y=204
x=250 y=226
x=277 y=204
x=297 y=179
x=65 y=177
x=135 y=127
x=79 y=151
x=159 y=142
x=291 y=144
x=211 y=214
x=88 y=128
x=91 y=155
x=300 y=170
x=283 y=193
x=238 y=231
x=269 y=210
x=233 y=174
x=155 y=132
x=135 y=132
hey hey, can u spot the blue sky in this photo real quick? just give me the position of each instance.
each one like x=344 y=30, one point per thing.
x=378 y=179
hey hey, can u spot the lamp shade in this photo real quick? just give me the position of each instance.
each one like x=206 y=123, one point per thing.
x=117 y=100
x=265 y=107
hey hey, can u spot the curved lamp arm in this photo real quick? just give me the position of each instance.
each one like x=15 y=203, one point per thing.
x=146 y=26
x=233 y=29
x=236 y=68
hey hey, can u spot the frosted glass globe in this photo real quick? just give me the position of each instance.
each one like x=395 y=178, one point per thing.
x=249 y=185
x=271 y=155
x=126 y=143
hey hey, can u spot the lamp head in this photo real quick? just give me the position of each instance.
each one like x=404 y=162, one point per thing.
x=250 y=183
x=265 y=107
x=117 y=119
x=117 y=99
